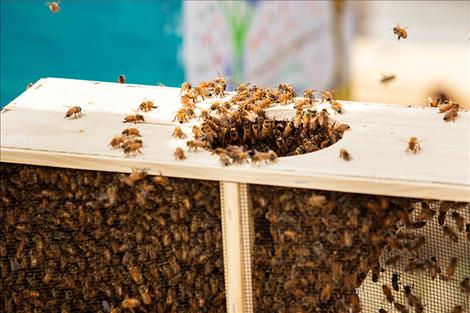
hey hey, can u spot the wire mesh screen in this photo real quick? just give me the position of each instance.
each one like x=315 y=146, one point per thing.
x=85 y=241
x=317 y=251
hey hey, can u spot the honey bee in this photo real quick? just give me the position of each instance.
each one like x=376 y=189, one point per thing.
x=426 y=212
x=451 y=115
x=29 y=85
x=376 y=272
x=147 y=106
x=309 y=94
x=130 y=303
x=188 y=101
x=144 y=294
x=197 y=131
x=413 y=145
x=131 y=132
x=387 y=79
x=179 y=154
x=344 y=154
x=400 y=32
x=465 y=285
x=194 y=144
x=326 y=292
x=239 y=156
x=434 y=102
x=183 y=115
x=259 y=157
x=116 y=142
x=224 y=159
x=54 y=6
x=132 y=148
x=121 y=79
x=75 y=111
x=450 y=233
x=459 y=220
x=178 y=133
x=134 y=177
x=388 y=293
x=335 y=105
x=326 y=96
x=450 y=269
x=433 y=267
x=135 y=118
x=457 y=309
x=186 y=87
x=395 y=281
x=449 y=105
x=401 y=308
x=413 y=300
x=241 y=87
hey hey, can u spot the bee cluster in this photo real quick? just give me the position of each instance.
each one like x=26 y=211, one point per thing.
x=447 y=106
x=238 y=129
x=85 y=241
x=314 y=249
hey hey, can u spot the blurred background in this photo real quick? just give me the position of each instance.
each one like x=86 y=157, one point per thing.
x=343 y=45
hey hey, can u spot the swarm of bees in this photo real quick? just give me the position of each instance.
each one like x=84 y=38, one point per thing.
x=238 y=130
x=85 y=241
x=313 y=249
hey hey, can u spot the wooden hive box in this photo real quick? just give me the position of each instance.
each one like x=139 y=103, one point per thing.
x=242 y=220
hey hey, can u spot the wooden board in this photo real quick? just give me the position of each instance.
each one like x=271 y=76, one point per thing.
x=34 y=131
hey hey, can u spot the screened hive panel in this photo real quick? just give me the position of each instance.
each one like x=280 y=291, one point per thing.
x=88 y=241
x=34 y=131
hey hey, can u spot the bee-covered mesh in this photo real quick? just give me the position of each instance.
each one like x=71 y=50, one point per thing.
x=319 y=251
x=85 y=241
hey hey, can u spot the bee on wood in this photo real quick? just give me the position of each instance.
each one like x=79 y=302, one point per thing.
x=386 y=79
x=197 y=132
x=179 y=154
x=457 y=309
x=335 y=105
x=75 y=111
x=178 y=133
x=327 y=96
x=451 y=115
x=224 y=159
x=131 y=132
x=465 y=285
x=121 y=79
x=240 y=156
x=451 y=234
x=54 y=6
x=188 y=101
x=344 y=154
x=434 y=103
x=459 y=220
x=341 y=128
x=117 y=142
x=266 y=157
x=194 y=144
x=388 y=293
x=400 y=32
x=132 y=147
x=29 y=85
x=309 y=94
x=183 y=115
x=135 y=118
x=147 y=106
x=413 y=145
x=401 y=308
x=186 y=87
x=449 y=105
x=395 y=281
x=130 y=303
x=134 y=177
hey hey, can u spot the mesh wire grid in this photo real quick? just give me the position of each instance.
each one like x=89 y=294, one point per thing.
x=317 y=251
x=84 y=241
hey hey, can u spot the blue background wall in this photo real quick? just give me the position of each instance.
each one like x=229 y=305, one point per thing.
x=94 y=40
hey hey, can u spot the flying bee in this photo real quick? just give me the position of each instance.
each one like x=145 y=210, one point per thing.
x=178 y=133
x=179 y=154
x=116 y=142
x=388 y=293
x=344 y=154
x=54 y=6
x=459 y=220
x=147 y=106
x=387 y=79
x=450 y=269
x=400 y=32
x=134 y=177
x=450 y=233
x=395 y=281
x=135 y=118
x=131 y=132
x=75 y=111
x=121 y=79
x=413 y=145
x=335 y=105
